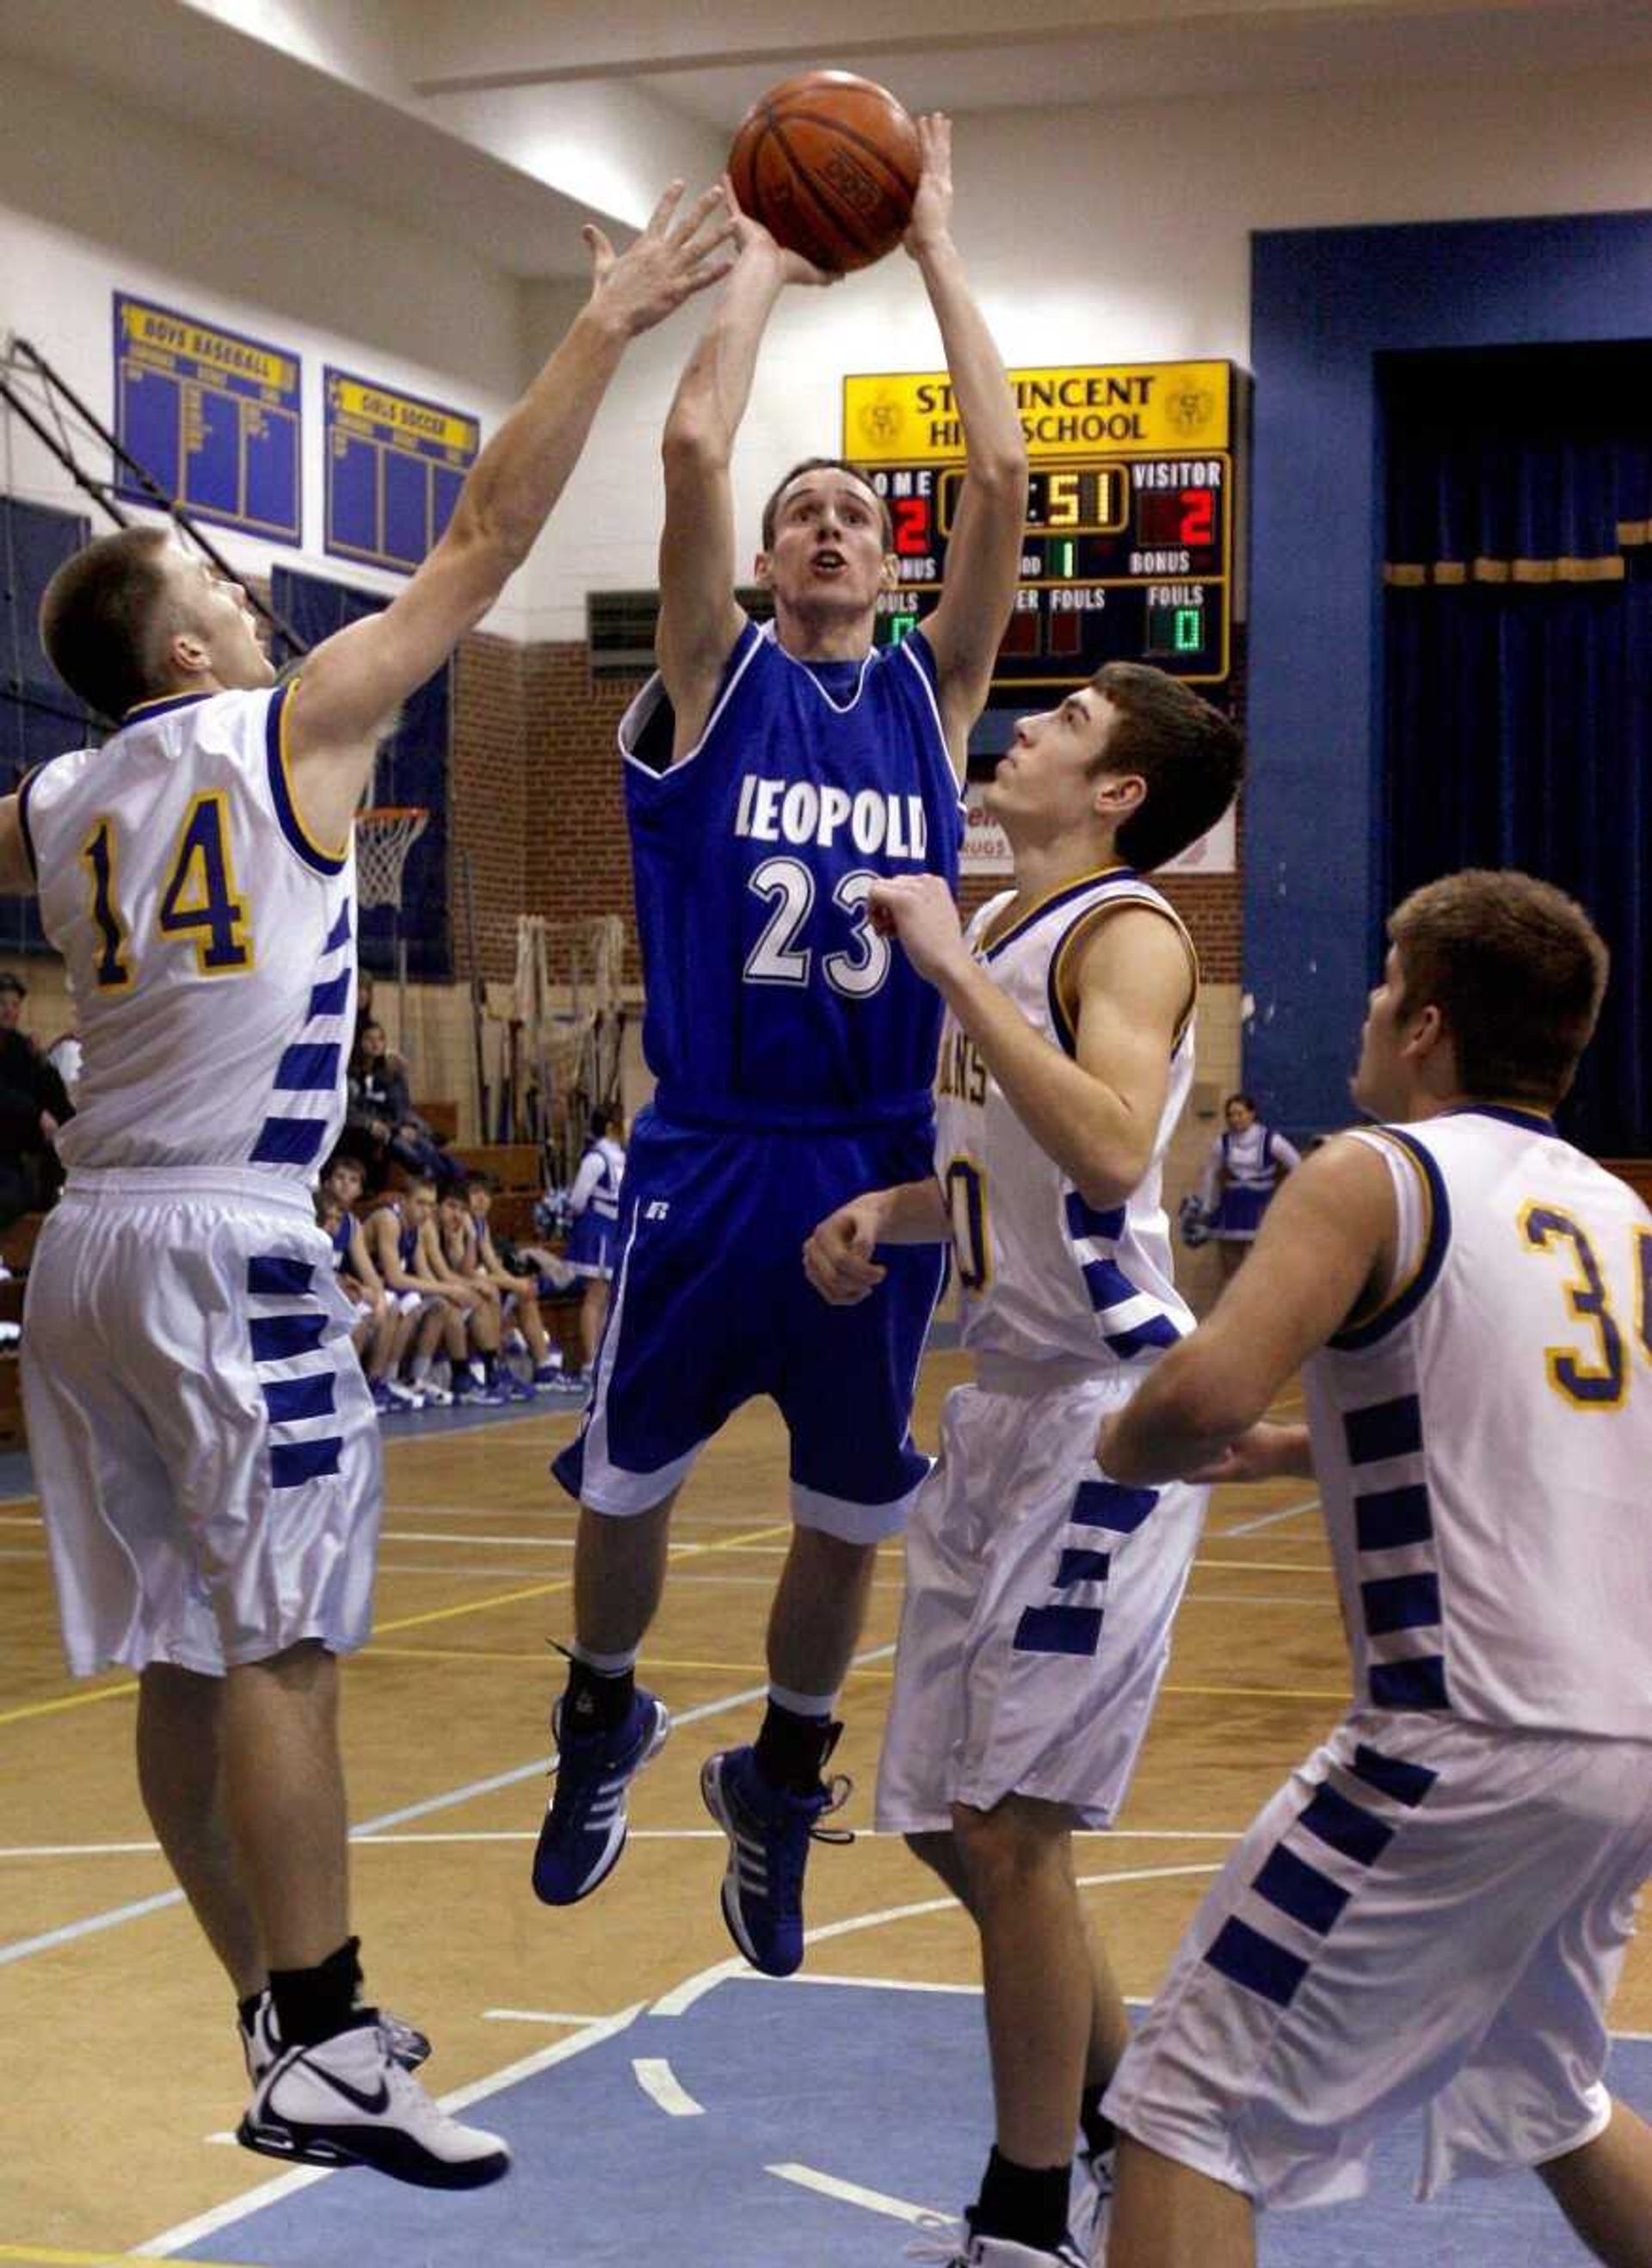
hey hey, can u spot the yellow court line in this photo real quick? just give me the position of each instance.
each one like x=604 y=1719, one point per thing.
x=43 y=2256
x=1264 y=1692
x=404 y=1622
x=565 y=1583
x=49 y=1709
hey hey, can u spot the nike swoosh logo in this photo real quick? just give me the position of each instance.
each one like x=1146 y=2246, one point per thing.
x=374 y=2105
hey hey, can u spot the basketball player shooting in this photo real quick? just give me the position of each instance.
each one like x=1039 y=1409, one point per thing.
x=205 y=1444
x=774 y=777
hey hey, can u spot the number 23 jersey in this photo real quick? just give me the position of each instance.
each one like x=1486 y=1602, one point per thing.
x=771 y=1000
x=209 y=941
x=1483 y=1440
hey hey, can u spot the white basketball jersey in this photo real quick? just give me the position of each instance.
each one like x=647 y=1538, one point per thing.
x=1484 y=1441
x=210 y=943
x=1042 y=1273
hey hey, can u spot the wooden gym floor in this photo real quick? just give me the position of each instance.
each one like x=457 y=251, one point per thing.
x=121 y=2061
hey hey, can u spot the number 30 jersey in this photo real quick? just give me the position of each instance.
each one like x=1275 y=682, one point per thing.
x=210 y=942
x=1041 y=1273
x=1482 y=1440
x=771 y=1000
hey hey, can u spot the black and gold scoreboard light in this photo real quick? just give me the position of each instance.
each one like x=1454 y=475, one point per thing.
x=1130 y=551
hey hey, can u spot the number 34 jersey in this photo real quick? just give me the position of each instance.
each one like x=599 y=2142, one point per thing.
x=1041 y=1273
x=209 y=941
x=1482 y=1440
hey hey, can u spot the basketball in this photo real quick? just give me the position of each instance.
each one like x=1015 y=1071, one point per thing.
x=829 y=163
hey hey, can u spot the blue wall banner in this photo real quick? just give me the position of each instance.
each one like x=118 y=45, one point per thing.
x=395 y=467
x=213 y=417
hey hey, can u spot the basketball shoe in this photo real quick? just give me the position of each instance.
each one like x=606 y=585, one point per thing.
x=1094 y=2174
x=261 y=2043
x=346 y=2101
x=769 y=1829
x=583 y=1832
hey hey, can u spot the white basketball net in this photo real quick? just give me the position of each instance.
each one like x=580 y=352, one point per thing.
x=383 y=839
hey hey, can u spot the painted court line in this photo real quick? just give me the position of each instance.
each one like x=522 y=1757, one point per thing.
x=535 y=2016
x=682 y=1997
x=807 y=2177
x=661 y=2084
x=1269 y=1518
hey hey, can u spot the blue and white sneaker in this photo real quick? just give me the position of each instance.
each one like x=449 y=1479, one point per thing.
x=769 y=1829
x=956 y=2244
x=584 y=1830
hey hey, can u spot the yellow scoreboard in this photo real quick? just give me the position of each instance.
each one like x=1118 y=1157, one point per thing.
x=1129 y=544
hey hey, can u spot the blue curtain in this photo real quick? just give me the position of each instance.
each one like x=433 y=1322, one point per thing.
x=39 y=717
x=412 y=769
x=1517 y=657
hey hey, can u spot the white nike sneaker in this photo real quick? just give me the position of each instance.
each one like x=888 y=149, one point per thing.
x=346 y=2101
x=1094 y=2172
x=262 y=2043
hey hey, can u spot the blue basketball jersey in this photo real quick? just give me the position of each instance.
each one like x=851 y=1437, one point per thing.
x=770 y=999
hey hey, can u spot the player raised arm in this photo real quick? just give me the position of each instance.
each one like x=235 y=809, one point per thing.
x=352 y=684
x=699 y=619
x=983 y=555
x=1324 y=1251
x=1095 y=1113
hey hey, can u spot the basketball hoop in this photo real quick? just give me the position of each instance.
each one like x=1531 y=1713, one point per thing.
x=384 y=836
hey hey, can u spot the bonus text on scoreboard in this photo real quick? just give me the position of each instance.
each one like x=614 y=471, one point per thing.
x=395 y=467
x=213 y=417
x=1128 y=544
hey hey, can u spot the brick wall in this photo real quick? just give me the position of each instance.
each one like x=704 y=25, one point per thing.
x=550 y=837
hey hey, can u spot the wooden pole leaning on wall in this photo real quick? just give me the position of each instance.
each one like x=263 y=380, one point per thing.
x=478 y=995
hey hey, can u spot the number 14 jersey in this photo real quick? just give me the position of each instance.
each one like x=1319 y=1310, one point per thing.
x=209 y=940
x=1482 y=1440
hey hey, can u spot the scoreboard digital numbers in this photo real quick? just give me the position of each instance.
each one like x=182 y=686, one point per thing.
x=395 y=467
x=1128 y=550
x=213 y=418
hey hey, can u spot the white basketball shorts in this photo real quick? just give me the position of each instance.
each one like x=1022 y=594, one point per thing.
x=206 y=1449
x=1428 y=1913
x=1039 y=1599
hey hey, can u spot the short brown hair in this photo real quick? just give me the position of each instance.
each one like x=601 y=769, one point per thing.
x=103 y=624
x=771 y=509
x=1191 y=756
x=1517 y=971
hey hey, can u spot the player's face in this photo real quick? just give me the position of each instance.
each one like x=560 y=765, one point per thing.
x=344 y=1184
x=479 y=1200
x=1239 y=1116
x=828 y=553
x=214 y=609
x=1046 y=771
x=11 y=1010
x=417 y=1207
x=454 y=1213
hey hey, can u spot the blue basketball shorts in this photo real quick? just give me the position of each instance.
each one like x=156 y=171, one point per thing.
x=711 y=1308
x=591 y=1246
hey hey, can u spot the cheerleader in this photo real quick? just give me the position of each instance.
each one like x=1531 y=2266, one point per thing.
x=1247 y=1164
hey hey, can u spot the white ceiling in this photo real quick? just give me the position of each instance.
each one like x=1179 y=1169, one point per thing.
x=500 y=124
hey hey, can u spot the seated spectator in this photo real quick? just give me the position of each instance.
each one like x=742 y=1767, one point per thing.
x=383 y=1123
x=386 y=1320
x=33 y=1104
x=500 y=1263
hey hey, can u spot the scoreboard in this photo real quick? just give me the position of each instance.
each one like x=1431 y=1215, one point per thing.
x=214 y=418
x=1129 y=548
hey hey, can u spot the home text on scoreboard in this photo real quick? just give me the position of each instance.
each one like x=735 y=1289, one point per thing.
x=1129 y=542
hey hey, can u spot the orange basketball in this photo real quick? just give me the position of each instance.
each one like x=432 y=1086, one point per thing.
x=829 y=163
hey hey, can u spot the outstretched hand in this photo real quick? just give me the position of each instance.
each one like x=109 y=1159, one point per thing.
x=1264 y=1452
x=931 y=208
x=667 y=264
x=752 y=239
